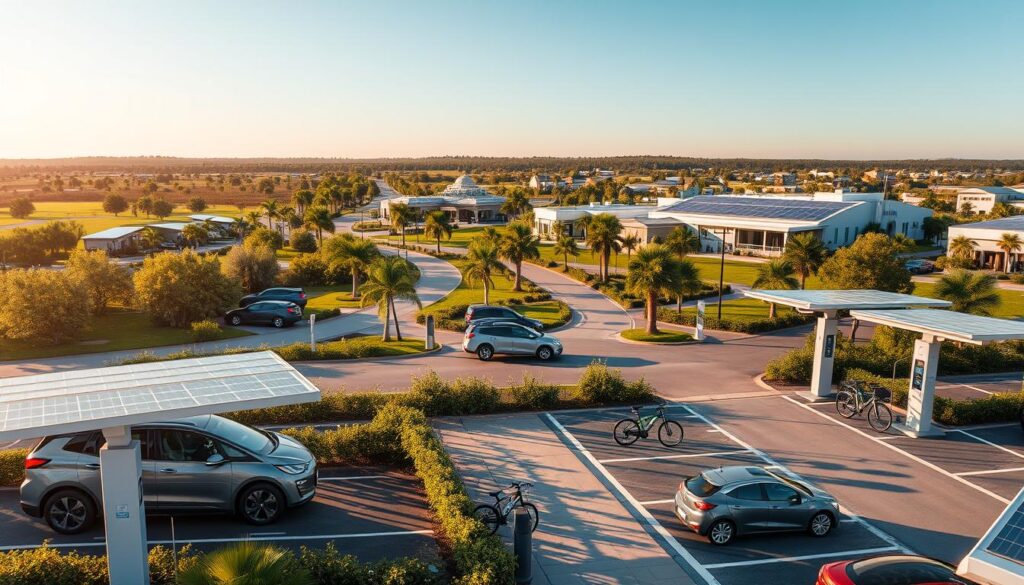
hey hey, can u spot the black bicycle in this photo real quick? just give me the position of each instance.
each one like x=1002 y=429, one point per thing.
x=629 y=430
x=493 y=516
x=853 y=399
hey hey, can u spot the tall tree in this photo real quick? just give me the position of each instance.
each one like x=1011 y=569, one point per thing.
x=630 y=242
x=319 y=218
x=776 y=274
x=482 y=263
x=401 y=217
x=517 y=244
x=603 y=239
x=351 y=253
x=437 y=226
x=654 y=272
x=806 y=253
x=687 y=283
x=970 y=292
x=271 y=211
x=302 y=198
x=516 y=203
x=961 y=248
x=566 y=246
x=388 y=279
x=114 y=203
x=681 y=241
x=1010 y=244
x=197 y=205
x=194 y=234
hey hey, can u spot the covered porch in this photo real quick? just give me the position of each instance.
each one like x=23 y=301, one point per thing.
x=761 y=242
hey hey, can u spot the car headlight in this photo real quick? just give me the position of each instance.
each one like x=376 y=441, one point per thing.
x=835 y=504
x=293 y=469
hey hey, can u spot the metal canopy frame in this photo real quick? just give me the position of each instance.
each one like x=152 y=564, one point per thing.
x=948 y=325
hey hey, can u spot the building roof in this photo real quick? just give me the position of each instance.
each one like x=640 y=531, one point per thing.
x=995 y=190
x=652 y=221
x=174 y=225
x=213 y=218
x=947 y=324
x=826 y=300
x=1015 y=223
x=759 y=207
x=83 y=400
x=113 y=233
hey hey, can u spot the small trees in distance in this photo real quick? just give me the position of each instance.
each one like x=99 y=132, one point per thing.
x=24 y=291
x=194 y=235
x=177 y=289
x=114 y=203
x=303 y=241
x=162 y=208
x=104 y=280
x=197 y=205
x=253 y=264
x=21 y=208
x=145 y=205
x=266 y=237
x=318 y=217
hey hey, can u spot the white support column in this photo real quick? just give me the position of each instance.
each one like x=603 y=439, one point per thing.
x=921 y=397
x=824 y=355
x=124 y=514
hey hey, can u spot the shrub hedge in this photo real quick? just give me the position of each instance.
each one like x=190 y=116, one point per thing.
x=615 y=289
x=205 y=330
x=670 y=315
x=342 y=349
x=12 y=466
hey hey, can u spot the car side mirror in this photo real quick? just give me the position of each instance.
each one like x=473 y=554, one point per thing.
x=215 y=460
x=794 y=499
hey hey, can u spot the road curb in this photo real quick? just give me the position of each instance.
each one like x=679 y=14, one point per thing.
x=618 y=337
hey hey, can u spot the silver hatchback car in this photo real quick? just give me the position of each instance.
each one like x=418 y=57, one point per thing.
x=491 y=337
x=198 y=464
x=729 y=501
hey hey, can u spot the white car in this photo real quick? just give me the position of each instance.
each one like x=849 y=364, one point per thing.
x=491 y=337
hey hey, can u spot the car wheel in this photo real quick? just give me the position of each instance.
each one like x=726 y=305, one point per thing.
x=278 y=322
x=485 y=352
x=236 y=320
x=261 y=503
x=722 y=532
x=821 y=524
x=69 y=511
x=545 y=353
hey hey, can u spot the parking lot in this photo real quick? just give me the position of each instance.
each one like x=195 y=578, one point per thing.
x=976 y=386
x=367 y=512
x=647 y=474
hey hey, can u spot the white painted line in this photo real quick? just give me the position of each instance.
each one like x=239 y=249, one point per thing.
x=656 y=502
x=990 y=443
x=686 y=456
x=713 y=431
x=772 y=463
x=990 y=471
x=890 y=437
x=910 y=456
x=217 y=540
x=259 y=534
x=353 y=478
x=654 y=524
x=845 y=553
x=978 y=389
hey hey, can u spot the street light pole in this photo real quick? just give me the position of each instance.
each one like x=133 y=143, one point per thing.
x=721 y=274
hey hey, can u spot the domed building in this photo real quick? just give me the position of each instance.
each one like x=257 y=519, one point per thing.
x=464 y=201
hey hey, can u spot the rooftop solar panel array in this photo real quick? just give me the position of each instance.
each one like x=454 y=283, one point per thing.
x=1009 y=541
x=760 y=207
x=110 y=396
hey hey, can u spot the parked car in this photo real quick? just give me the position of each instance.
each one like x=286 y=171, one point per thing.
x=276 y=313
x=170 y=245
x=732 y=501
x=477 y=312
x=492 y=337
x=919 y=266
x=198 y=464
x=891 y=570
x=292 y=295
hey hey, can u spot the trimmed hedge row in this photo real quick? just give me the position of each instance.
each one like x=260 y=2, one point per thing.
x=670 y=315
x=615 y=289
x=343 y=349
x=12 y=466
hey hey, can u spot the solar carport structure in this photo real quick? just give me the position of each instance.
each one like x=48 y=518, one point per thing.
x=115 y=398
x=999 y=555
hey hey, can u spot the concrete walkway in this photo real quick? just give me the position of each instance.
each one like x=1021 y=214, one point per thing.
x=585 y=535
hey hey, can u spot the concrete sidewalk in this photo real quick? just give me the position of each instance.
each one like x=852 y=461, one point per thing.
x=585 y=535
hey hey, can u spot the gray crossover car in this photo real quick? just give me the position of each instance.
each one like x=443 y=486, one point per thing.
x=729 y=501
x=491 y=337
x=198 y=464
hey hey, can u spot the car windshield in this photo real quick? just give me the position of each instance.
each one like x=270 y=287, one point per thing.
x=700 y=486
x=248 y=438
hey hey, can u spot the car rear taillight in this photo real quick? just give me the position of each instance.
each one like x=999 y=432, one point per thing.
x=35 y=462
x=702 y=505
x=470 y=335
x=291 y=309
x=302 y=295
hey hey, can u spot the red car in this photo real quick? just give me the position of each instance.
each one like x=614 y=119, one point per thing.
x=891 y=570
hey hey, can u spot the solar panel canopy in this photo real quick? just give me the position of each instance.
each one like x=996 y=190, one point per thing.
x=947 y=324
x=74 y=401
x=760 y=207
x=999 y=556
x=822 y=300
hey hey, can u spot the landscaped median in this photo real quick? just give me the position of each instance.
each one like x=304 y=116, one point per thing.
x=661 y=337
x=738 y=315
x=343 y=349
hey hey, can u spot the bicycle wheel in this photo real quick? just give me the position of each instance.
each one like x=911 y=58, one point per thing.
x=670 y=433
x=880 y=417
x=846 y=405
x=534 y=515
x=488 y=515
x=626 y=432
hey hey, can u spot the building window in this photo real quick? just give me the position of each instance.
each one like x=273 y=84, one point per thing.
x=835 y=236
x=846 y=235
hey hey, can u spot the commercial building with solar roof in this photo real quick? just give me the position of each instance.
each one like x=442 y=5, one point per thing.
x=986 y=236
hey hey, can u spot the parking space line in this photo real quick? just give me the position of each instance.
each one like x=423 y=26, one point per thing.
x=685 y=456
x=353 y=477
x=217 y=540
x=656 y=502
x=978 y=389
x=990 y=471
x=666 y=537
x=987 y=442
x=771 y=462
x=850 y=553
x=906 y=454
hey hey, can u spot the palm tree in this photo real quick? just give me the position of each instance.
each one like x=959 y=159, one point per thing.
x=903 y=242
x=194 y=234
x=401 y=216
x=150 y=238
x=389 y=278
x=687 y=282
x=603 y=239
x=240 y=226
x=776 y=274
x=806 y=253
x=302 y=199
x=970 y=292
x=351 y=253
x=654 y=272
x=245 y=562
x=319 y=218
x=491 y=234
x=254 y=218
x=482 y=263
x=962 y=248
x=437 y=226
x=681 y=241
x=1009 y=243
x=271 y=210
x=515 y=204
x=517 y=244
x=566 y=246
x=630 y=242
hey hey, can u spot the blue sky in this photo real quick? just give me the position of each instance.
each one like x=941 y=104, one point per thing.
x=826 y=79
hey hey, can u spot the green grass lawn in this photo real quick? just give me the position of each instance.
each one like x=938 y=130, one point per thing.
x=1011 y=307
x=322 y=298
x=467 y=294
x=287 y=253
x=550 y=313
x=743 y=310
x=662 y=336
x=92 y=217
x=115 y=331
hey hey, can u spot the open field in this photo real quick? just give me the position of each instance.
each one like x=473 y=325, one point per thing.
x=92 y=217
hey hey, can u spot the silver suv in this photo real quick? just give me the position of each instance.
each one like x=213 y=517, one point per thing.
x=491 y=337
x=729 y=501
x=198 y=464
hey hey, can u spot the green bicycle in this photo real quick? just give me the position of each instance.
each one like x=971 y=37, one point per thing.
x=629 y=430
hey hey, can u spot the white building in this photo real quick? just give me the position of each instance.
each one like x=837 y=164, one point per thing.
x=115 y=240
x=222 y=224
x=985 y=235
x=983 y=199
x=569 y=217
x=463 y=201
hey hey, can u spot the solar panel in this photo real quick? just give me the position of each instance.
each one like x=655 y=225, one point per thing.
x=103 y=397
x=948 y=324
x=1009 y=541
x=758 y=207
x=844 y=299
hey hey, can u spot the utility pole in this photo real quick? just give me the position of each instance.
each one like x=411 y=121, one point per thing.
x=721 y=274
